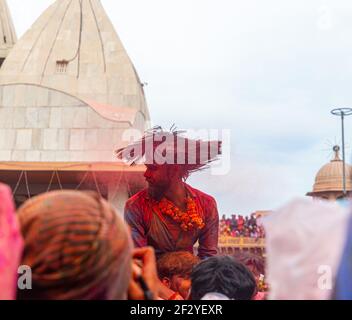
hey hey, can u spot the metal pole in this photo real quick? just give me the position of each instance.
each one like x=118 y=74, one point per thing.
x=343 y=112
x=343 y=153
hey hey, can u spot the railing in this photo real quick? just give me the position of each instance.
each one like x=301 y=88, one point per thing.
x=241 y=242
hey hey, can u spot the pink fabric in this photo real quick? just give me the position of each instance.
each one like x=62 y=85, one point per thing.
x=11 y=245
x=304 y=245
x=259 y=296
x=124 y=114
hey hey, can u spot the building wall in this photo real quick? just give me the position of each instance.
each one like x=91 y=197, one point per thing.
x=40 y=124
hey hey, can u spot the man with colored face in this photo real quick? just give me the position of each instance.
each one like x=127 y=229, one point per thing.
x=170 y=215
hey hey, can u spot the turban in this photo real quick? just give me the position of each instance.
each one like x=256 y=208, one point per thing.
x=77 y=247
x=11 y=245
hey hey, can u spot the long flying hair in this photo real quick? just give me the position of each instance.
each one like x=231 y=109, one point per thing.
x=159 y=146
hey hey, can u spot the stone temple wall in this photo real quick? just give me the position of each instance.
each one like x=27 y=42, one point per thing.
x=40 y=124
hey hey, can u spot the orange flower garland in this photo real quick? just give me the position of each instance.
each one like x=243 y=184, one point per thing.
x=188 y=220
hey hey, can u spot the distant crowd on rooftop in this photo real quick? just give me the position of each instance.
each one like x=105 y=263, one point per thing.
x=240 y=226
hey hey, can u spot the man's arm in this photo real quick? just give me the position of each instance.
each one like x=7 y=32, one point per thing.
x=134 y=218
x=208 y=240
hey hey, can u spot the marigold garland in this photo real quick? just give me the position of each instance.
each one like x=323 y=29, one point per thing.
x=188 y=220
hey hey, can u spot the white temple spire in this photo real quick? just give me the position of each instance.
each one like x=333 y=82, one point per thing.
x=8 y=36
x=74 y=48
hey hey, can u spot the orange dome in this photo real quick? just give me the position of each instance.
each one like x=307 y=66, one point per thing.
x=330 y=177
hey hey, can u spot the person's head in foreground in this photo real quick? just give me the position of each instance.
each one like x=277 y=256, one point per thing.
x=255 y=263
x=222 y=275
x=11 y=245
x=174 y=270
x=77 y=247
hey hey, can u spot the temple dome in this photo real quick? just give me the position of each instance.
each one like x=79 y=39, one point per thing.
x=330 y=177
x=73 y=48
x=68 y=90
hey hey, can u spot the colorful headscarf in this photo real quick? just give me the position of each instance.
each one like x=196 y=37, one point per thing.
x=77 y=246
x=11 y=245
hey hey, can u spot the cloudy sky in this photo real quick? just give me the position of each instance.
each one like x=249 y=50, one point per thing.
x=269 y=71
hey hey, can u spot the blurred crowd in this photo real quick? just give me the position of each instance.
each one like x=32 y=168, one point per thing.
x=78 y=248
x=240 y=226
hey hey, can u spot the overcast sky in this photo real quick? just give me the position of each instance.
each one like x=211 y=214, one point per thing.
x=270 y=71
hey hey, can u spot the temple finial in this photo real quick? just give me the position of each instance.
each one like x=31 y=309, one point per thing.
x=336 y=149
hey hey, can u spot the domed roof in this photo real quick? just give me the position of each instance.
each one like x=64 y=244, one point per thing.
x=330 y=176
x=68 y=90
x=8 y=36
x=73 y=48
